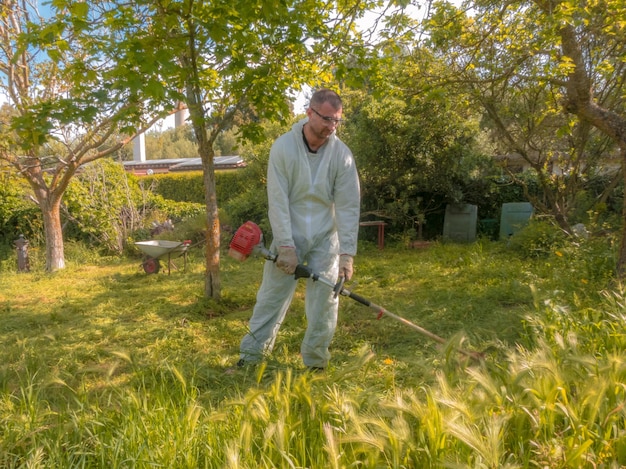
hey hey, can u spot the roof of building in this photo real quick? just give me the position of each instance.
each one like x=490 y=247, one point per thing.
x=220 y=162
x=181 y=164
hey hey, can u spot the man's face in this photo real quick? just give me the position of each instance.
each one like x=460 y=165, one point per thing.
x=323 y=119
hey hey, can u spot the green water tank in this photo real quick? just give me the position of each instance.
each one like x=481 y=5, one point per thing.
x=515 y=216
x=459 y=224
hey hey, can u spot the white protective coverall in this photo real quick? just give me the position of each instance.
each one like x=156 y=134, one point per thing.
x=314 y=205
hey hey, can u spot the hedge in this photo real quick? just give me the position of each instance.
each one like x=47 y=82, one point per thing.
x=189 y=186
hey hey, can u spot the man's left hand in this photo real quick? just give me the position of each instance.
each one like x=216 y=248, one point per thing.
x=345 y=266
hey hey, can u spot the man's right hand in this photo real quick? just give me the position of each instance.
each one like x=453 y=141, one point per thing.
x=287 y=260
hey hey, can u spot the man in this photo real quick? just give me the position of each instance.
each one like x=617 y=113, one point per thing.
x=314 y=203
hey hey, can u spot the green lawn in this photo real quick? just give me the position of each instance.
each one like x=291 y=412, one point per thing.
x=103 y=365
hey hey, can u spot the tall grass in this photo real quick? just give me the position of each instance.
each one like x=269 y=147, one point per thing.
x=105 y=366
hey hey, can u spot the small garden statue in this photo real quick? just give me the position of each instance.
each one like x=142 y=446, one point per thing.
x=21 y=244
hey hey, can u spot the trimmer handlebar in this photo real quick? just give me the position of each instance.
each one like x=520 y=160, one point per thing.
x=302 y=271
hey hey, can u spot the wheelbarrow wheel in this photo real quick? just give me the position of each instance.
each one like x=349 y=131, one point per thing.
x=151 y=266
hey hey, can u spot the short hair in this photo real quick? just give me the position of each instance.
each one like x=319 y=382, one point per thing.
x=326 y=96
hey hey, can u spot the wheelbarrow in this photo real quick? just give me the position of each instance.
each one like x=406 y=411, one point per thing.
x=158 y=249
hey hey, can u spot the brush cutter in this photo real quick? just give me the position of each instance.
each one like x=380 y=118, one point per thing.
x=248 y=241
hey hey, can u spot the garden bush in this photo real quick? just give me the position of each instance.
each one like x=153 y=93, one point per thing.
x=539 y=238
x=18 y=214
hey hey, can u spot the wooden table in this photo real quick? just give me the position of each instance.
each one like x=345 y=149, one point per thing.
x=381 y=230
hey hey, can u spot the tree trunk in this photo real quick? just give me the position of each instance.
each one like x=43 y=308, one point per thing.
x=212 y=286
x=55 y=255
x=621 y=260
x=579 y=101
x=199 y=121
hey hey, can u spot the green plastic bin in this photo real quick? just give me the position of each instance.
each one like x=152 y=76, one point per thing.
x=459 y=223
x=514 y=217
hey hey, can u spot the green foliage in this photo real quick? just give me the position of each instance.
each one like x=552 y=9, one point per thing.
x=108 y=207
x=503 y=189
x=588 y=259
x=188 y=219
x=171 y=143
x=189 y=186
x=531 y=106
x=249 y=200
x=103 y=203
x=180 y=187
x=176 y=211
x=192 y=228
x=414 y=154
x=592 y=259
x=249 y=204
x=579 y=328
x=93 y=100
x=227 y=143
x=18 y=214
x=591 y=207
x=539 y=238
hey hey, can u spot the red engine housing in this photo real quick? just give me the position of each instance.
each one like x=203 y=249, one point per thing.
x=244 y=240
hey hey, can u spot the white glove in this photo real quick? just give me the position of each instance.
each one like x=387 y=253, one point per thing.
x=287 y=261
x=345 y=266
